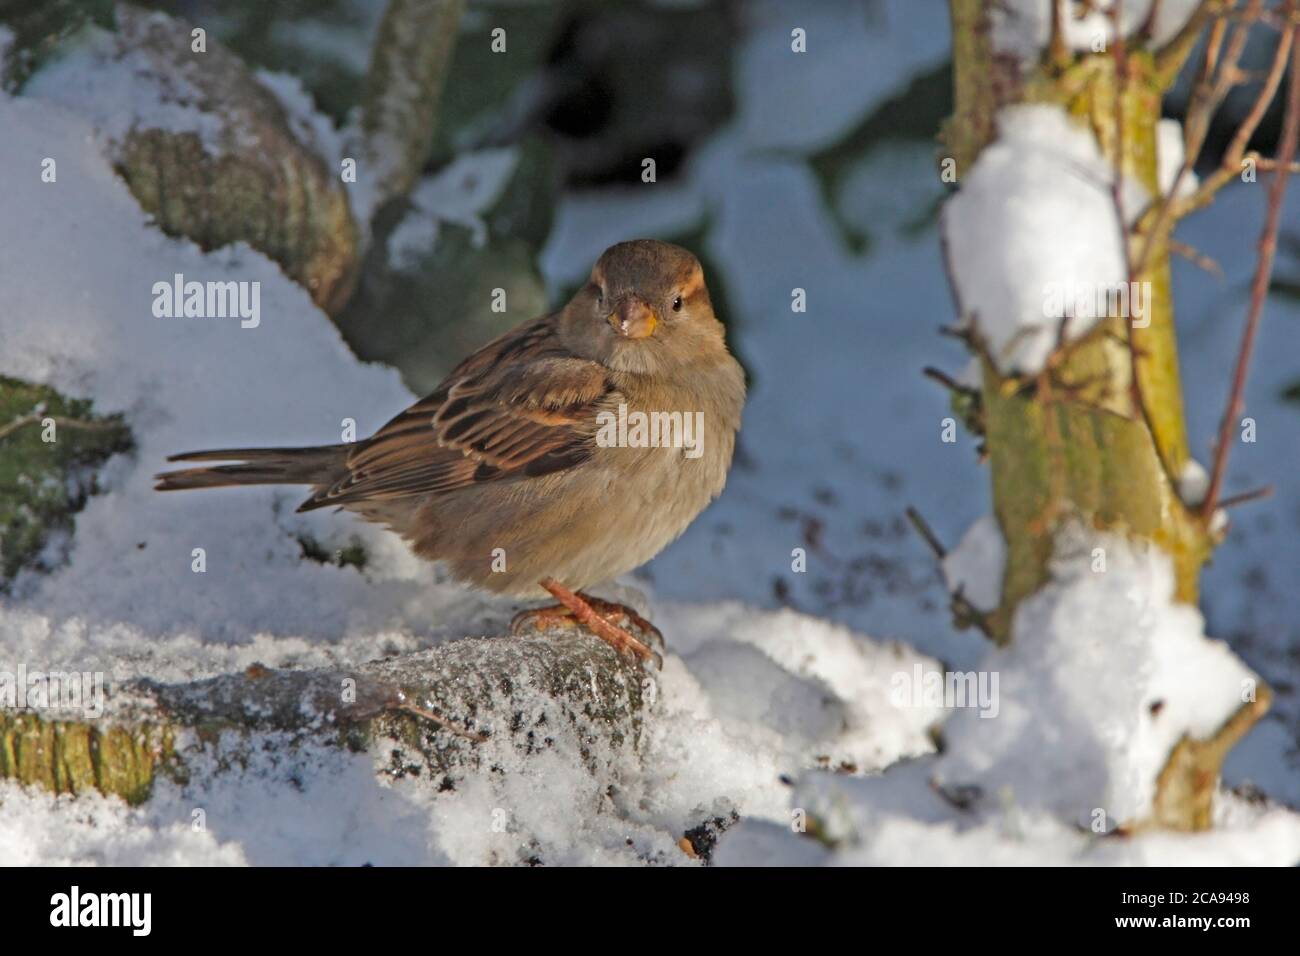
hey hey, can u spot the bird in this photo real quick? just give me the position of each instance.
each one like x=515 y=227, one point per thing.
x=520 y=471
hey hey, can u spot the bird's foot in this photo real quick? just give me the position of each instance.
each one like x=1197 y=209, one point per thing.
x=605 y=619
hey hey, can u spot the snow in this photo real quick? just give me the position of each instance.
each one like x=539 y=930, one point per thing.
x=1075 y=748
x=1023 y=27
x=899 y=821
x=760 y=709
x=173 y=379
x=971 y=375
x=1193 y=483
x=120 y=87
x=976 y=565
x=310 y=127
x=1171 y=17
x=1043 y=190
x=460 y=193
x=1074 y=732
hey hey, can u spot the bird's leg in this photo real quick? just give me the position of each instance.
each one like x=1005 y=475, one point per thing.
x=559 y=615
x=599 y=617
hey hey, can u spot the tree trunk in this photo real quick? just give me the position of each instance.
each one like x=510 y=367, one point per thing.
x=1108 y=453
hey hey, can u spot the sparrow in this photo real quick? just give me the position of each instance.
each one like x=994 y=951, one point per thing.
x=512 y=473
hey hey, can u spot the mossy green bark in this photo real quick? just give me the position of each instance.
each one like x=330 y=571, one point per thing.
x=50 y=449
x=68 y=756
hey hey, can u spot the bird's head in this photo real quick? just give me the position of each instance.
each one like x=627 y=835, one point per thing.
x=644 y=309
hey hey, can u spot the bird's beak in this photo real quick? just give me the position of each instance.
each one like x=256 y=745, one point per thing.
x=633 y=318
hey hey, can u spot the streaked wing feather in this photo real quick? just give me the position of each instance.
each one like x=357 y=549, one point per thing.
x=521 y=407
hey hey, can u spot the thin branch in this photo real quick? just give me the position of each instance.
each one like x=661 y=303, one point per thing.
x=443 y=723
x=1057 y=50
x=1218 y=75
x=1237 y=148
x=1245 y=496
x=1272 y=165
x=409 y=63
x=947 y=381
x=1198 y=258
x=1171 y=57
x=926 y=533
x=1263 y=272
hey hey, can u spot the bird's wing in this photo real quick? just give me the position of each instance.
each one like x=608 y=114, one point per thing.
x=520 y=407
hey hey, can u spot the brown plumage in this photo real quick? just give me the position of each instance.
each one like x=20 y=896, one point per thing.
x=504 y=454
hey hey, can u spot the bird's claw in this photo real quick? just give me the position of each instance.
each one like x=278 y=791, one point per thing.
x=602 y=618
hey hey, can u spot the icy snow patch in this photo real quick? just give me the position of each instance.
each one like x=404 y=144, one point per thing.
x=898 y=820
x=756 y=697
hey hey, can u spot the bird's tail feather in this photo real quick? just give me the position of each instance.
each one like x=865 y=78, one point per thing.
x=315 y=465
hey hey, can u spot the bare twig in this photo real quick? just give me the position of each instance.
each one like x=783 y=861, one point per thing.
x=1218 y=75
x=1237 y=148
x=1245 y=496
x=1057 y=50
x=1263 y=272
x=926 y=533
x=443 y=723
x=1148 y=28
x=965 y=614
x=1170 y=57
x=947 y=381
x=1199 y=258
x=1272 y=165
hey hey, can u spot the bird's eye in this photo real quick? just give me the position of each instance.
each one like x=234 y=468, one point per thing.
x=677 y=304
